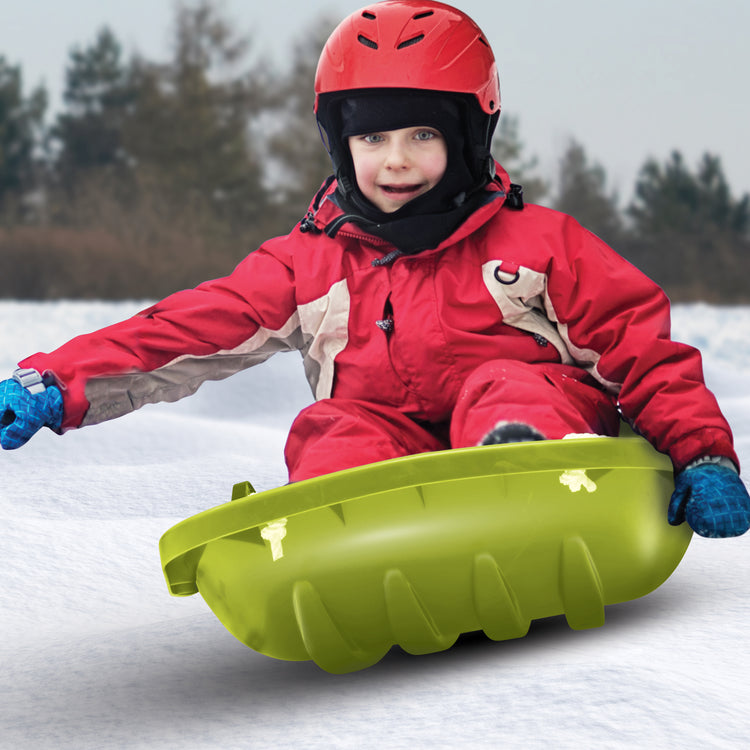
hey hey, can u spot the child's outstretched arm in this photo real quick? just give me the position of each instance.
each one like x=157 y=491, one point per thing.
x=161 y=354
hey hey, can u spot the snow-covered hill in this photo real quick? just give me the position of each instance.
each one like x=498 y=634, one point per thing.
x=96 y=654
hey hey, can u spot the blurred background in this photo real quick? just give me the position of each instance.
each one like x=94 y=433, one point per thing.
x=147 y=146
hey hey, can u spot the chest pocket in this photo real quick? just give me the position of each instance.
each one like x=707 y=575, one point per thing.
x=520 y=295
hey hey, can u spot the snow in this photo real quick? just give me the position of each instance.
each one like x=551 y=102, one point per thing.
x=96 y=654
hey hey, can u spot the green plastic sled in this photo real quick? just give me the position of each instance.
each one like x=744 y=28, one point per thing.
x=417 y=550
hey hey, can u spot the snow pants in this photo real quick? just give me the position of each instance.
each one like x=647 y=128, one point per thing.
x=334 y=434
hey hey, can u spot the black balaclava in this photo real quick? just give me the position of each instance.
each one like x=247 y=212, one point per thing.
x=425 y=221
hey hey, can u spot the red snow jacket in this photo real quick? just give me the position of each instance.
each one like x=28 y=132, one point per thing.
x=530 y=285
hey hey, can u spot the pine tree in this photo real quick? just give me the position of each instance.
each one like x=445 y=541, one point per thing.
x=508 y=150
x=582 y=193
x=21 y=124
x=189 y=129
x=690 y=233
x=299 y=162
x=670 y=198
x=98 y=97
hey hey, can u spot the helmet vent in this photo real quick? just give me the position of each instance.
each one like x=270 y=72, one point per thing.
x=369 y=16
x=367 y=42
x=424 y=15
x=483 y=41
x=409 y=42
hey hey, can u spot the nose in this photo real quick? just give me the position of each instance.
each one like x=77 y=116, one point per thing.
x=397 y=156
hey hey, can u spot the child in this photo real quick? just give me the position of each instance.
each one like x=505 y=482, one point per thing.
x=431 y=307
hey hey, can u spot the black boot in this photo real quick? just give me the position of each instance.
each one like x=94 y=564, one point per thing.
x=511 y=432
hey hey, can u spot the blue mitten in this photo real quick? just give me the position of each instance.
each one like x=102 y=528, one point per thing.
x=23 y=413
x=712 y=499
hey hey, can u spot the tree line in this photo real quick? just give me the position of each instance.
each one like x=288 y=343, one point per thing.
x=156 y=175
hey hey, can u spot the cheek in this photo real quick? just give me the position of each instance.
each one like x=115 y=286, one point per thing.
x=437 y=172
x=358 y=159
x=436 y=166
x=364 y=168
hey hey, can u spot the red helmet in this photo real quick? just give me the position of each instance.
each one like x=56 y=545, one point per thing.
x=409 y=44
x=395 y=47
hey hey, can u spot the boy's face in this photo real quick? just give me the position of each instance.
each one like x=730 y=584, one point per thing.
x=395 y=166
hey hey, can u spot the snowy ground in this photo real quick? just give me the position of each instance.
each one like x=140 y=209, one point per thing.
x=95 y=654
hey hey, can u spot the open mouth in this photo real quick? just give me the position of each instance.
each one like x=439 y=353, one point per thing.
x=400 y=189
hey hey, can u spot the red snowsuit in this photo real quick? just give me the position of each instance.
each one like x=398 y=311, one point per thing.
x=519 y=315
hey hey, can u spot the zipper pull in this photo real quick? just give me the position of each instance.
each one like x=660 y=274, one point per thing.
x=386 y=324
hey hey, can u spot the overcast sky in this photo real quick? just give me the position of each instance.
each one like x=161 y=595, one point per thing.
x=627 y=79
